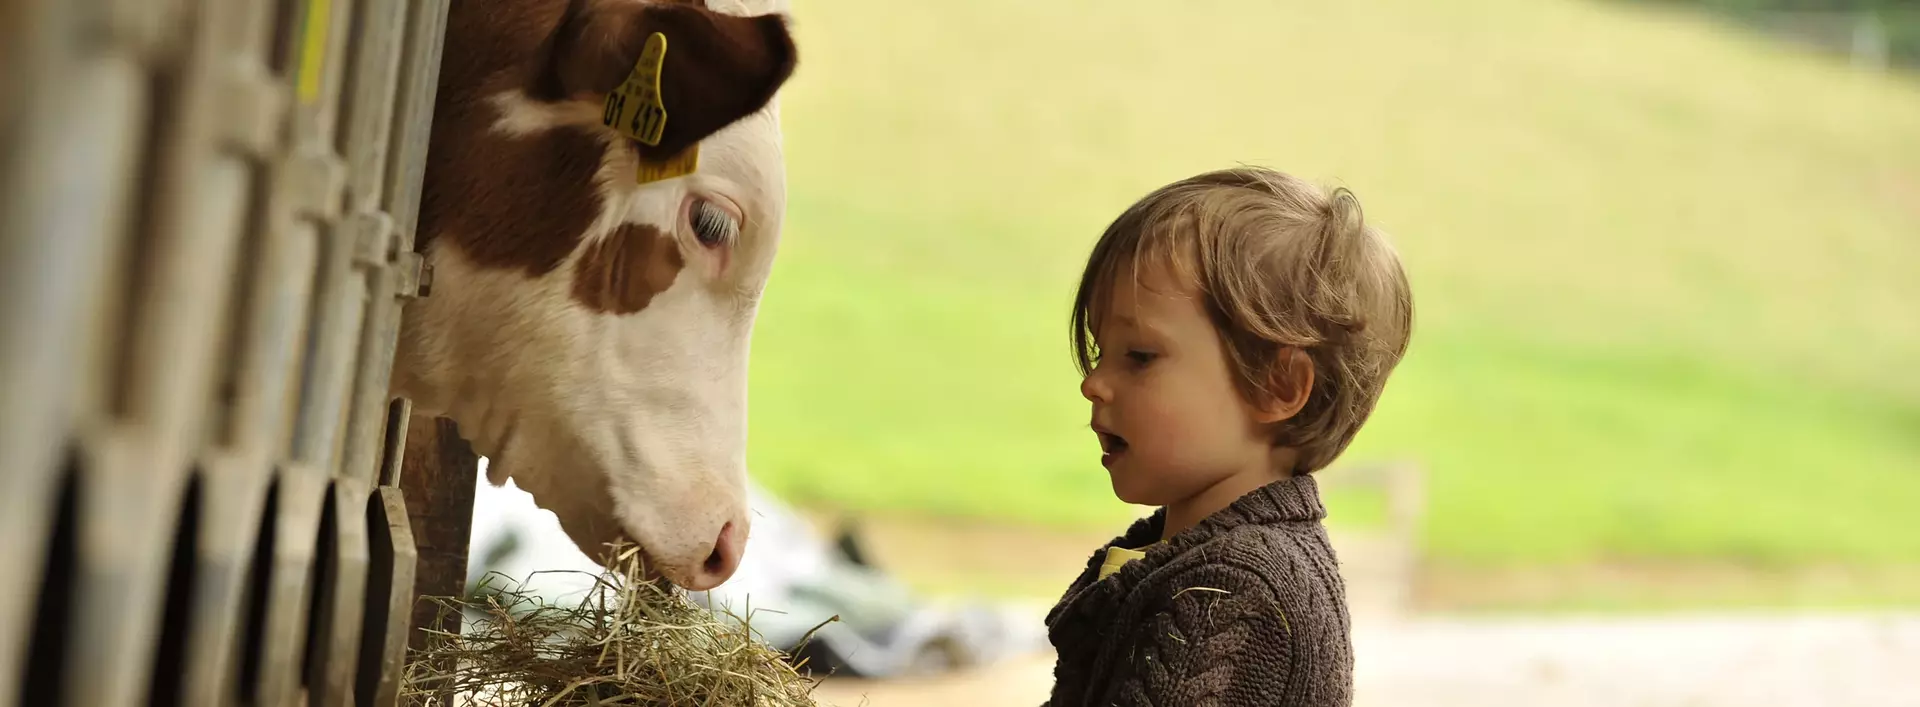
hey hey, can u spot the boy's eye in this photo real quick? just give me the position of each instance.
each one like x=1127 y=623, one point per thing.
x=1141 y=357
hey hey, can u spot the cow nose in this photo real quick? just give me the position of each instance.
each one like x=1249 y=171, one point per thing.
x=719 y=565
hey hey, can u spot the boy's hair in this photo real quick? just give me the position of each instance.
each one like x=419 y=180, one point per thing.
x=1280 y=263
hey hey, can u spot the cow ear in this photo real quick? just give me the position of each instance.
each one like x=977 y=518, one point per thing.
x=718 y=68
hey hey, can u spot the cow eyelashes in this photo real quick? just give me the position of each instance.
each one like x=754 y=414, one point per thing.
x=712 y=225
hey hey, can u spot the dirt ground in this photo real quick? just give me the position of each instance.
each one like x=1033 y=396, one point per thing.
x=1728 y=661
x=1407 y=659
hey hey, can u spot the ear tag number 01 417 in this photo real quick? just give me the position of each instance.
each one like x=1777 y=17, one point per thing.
x=636 y=110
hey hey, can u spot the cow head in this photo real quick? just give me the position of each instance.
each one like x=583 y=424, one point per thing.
x=589 y=332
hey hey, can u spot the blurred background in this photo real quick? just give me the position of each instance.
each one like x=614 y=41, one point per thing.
x=1667 y=271
x=1657 y=441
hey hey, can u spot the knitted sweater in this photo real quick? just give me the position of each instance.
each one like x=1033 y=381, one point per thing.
x=1245 y=608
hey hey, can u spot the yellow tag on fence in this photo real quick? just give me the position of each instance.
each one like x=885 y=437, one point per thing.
x=313 y=49
x=635 y=108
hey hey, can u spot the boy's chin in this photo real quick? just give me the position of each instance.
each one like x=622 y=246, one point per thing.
x=1134 y=492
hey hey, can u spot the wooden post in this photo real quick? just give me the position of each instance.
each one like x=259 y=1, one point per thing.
x=437 y=479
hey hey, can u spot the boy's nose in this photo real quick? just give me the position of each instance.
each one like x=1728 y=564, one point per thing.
x=1092 y=389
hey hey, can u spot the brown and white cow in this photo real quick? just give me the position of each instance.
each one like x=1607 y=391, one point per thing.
x=587 y=332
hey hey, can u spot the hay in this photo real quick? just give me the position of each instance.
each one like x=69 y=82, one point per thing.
x=628 y=643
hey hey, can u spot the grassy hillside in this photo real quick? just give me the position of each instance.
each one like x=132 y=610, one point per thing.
x=1668 y=276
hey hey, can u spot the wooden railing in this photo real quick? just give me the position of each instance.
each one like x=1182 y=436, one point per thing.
x=206 y=212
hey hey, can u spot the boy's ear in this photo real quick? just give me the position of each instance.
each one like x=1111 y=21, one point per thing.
x=1291 y=384
x=718 y=68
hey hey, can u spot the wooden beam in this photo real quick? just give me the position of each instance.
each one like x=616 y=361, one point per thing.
x=437 y=478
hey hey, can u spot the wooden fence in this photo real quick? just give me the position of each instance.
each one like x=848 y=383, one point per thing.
x=206 y=212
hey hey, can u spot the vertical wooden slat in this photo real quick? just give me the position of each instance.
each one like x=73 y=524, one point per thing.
x=390 y=577
x=379 y=32
x=339 y=304
x=365 y=116
x=315 y=67
x=416 y=81
x=437 y=480
x=136 y=23
x=268 y=306
x=433 y=476
x=339 y=301
x=389 y=614
x=379 y=337
x=202 y=268
x=339 y=600
x=234 y=502
x=67 y=139
x=300 y=497
x=311 y=187
x=413 y=114
x=43 y=674
x=24 y=55
x=190 y=215
x=183 y=582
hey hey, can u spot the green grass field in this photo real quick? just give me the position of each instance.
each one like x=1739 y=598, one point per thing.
x=1668 y=274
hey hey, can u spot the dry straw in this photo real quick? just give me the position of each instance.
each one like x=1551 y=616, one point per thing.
x=626 y=643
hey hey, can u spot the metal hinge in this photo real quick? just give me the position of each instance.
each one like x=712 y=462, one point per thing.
x=416 y=275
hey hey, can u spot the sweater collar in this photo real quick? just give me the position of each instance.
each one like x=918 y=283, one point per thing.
x=1293 y=499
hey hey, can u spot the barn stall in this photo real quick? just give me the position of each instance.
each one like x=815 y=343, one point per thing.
x=206 y=212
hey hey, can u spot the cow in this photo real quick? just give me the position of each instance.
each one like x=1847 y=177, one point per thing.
x=597 y=267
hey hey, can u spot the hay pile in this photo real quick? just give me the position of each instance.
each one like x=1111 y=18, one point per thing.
x=628 y=643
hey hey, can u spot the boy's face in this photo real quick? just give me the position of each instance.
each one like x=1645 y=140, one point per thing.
x=1171 y=423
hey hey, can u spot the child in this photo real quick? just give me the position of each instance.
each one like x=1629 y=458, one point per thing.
x=1234 y=330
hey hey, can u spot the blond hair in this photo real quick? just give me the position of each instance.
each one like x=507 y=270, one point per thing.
x=1280 y=263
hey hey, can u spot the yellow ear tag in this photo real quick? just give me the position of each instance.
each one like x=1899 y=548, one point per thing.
x=634 y=108
x=679 y=165
x=636 y=111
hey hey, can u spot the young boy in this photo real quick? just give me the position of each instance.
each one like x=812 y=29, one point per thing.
x=1234 y=329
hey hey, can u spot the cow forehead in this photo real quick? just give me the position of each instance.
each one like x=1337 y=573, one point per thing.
x=523 y=184
x=745 y=163
x=546 y=178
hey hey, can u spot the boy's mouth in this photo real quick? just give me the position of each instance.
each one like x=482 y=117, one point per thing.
x=1111 y=446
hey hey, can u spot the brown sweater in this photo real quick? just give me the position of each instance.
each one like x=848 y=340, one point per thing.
x=1245 y=608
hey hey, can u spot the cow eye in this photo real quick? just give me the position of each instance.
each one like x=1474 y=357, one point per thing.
x=712 y=225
